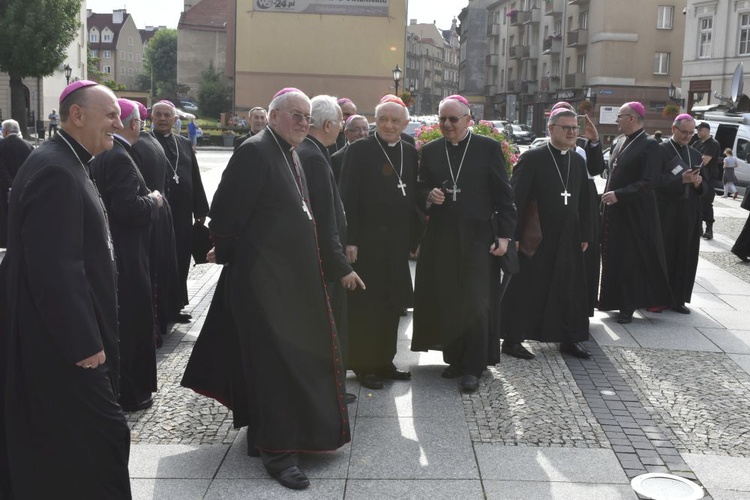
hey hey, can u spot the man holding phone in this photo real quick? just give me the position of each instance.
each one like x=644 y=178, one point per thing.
x=681 y=187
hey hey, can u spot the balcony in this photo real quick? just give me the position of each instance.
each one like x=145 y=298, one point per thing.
x=535 y=16
x=519 y=17
x=490 y=90
x=549 y=84
x=553 y=8
x=531 y=52
x=491 y=60
x=519 y=52
x=515 y=87
x=531 y=87
x=575 y=81
x=578 y=38
x=551 y=46
x=493 y=29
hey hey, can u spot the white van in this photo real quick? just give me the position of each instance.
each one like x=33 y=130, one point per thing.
x=732 y=130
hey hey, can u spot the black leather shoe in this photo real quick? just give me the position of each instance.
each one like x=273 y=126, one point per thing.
x=395 y=374
x=183 y=318
x=574 y=349
x=517 y=350
x=708 y=234
x=143 y=405
x=625 y=317
x=349 y=398
x=371 y=381
x=452 y=372
x=743 y=258
x=292 y=478
x=468 y=383
x=681 y=309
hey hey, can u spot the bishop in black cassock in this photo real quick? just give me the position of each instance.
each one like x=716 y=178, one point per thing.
x=634 y=271
x=66 y=434
x=279 y=368
x=153 y=164
x=678 y=195
x=132 y=209
x=378 y=185
x=452 y=295
x=184 y=189
x=547 y=301
x=13 y=152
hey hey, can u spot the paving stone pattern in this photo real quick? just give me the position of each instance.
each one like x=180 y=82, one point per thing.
x=535 y=403
x=704 y=410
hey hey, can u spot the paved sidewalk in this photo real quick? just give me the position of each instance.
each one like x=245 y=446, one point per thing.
x=667 y=393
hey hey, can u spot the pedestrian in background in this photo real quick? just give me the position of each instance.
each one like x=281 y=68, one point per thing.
x=53 y=121
x=728 y=178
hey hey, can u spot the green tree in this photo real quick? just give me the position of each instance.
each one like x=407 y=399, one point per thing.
x=161 y=63
x=214 y=96
x=37 y=34
x=92 y=67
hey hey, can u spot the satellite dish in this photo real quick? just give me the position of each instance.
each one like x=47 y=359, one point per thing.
x=738 y=81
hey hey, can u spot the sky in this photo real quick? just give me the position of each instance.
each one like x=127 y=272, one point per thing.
x=167 y=12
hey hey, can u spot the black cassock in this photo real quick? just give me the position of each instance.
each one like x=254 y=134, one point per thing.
x=13 y=152
x=187 y=199
x=65 y=429
x=379 y=216
x=680 y=215
x=131 y=213
x=330 y=224
x=337 y=161
x=634 y=272
x=547 y=300
x=452 y=295
x=279 y=368
x=153 y=165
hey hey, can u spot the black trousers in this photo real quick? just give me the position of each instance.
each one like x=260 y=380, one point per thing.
x=277 y=462
x=707 y=204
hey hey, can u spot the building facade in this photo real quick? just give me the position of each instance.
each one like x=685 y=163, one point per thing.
x=425 y=60
x=116 y=42
x=717 y=39
x=474 y=57
x=596 y=54
x=201 y=39
x=342 y=49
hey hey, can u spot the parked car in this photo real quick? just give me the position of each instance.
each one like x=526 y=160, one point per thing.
x=520 y=134
x=539 y=142
x=499 y=124
x=411 y=128
x=605 y=172
x=732 y=130
x=188 y=106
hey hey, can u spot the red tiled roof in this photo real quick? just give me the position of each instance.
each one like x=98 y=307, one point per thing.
x=206 y=15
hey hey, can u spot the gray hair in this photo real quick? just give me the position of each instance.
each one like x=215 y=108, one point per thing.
x=134 y=115
x=256 y=108
x=279 y=101
x=324 y=108
x=380 y=106
x=559 y=112
x=11 y=127
x=682 y=119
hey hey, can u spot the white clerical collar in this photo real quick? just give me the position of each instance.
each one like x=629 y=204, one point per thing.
x=123 y=139
x=561 y=151
x=466 y=134
x=390 y=144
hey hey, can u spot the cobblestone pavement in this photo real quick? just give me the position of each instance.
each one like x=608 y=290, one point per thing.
x=532 y=404
x=701 y=399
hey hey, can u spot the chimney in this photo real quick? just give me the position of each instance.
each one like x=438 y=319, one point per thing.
x=118 y=16
x=412 y=22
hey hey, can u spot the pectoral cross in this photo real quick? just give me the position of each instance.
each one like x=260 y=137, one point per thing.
x=401 y=184
x=565 y=194
x=306 y=210
x=456 y=190
x=176 y=178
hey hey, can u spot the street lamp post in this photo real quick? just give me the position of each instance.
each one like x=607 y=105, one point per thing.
x=68 y=71
x=672 y=93
x=396 y=78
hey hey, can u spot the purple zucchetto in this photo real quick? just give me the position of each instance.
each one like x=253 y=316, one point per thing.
x=142 y=111
x=392 y=98
x=165 y=102
x=683 y=116
x=286 y=90
x=80 y=84
x=459 y=98
x=637 y=107
x=353 y=117
x=560 y=109
x=126 y=108
x=344 y=100
x=562 y=104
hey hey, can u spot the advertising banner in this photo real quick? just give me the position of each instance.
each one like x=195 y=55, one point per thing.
x=332 y=7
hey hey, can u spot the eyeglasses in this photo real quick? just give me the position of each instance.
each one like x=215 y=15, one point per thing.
x=358 y=129
x=624 y=114
x=567 y=128
x=452 y=119
x=298 y=117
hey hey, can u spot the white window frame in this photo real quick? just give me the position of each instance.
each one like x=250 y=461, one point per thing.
x=661 y=63
x=94 y=37
x=705 y=36
x=743 y=35
x=106 y=38
x=664 y=17
x=107 y=69
x=106 y=54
